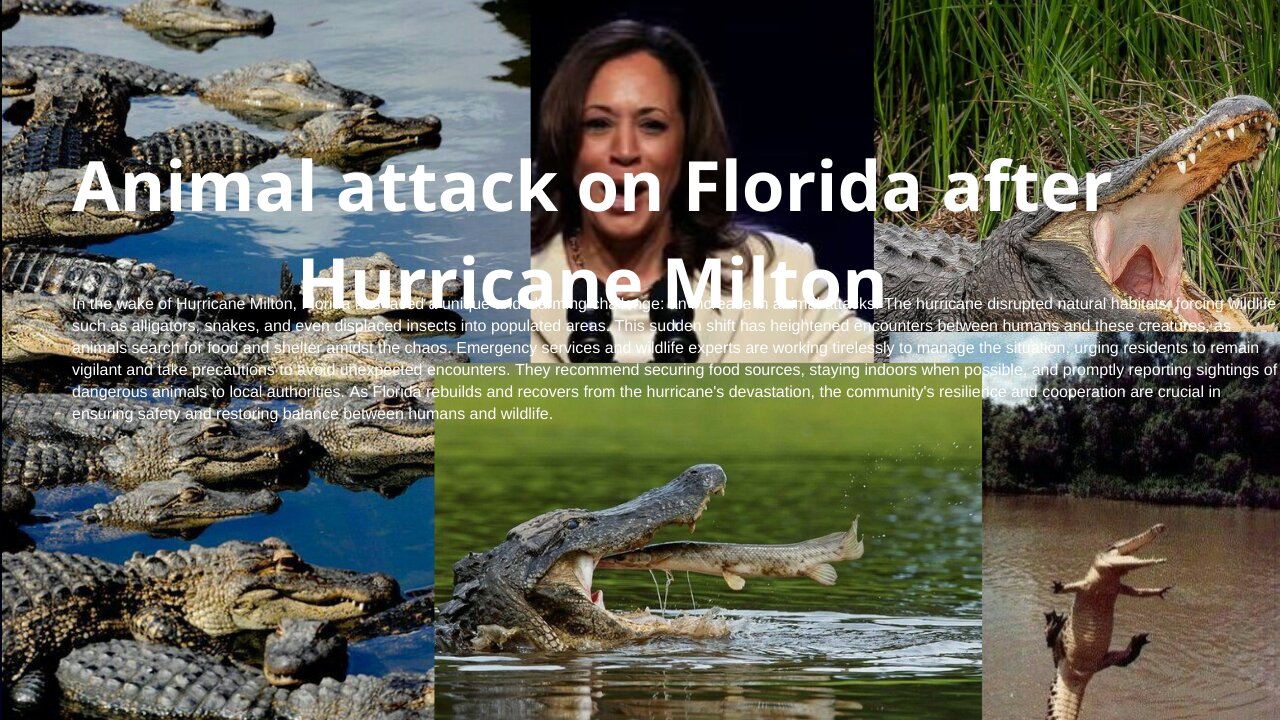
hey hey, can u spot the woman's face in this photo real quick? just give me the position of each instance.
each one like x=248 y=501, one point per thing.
x=631 y=123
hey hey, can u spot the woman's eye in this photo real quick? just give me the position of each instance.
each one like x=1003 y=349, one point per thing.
x=654 y=127
x=595 y=124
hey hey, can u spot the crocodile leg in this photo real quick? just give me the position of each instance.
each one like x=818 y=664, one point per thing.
x=1122 y=658
x=1075 y=587
x=163 y=627
x=30 y=693
x=1144 y=592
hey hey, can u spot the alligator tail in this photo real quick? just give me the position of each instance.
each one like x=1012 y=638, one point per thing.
x=1064 y=700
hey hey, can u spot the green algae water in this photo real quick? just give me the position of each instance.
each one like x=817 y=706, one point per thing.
x=899 y=633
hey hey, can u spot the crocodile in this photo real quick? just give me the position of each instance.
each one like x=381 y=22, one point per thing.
x=1122 y=263
x=56 y=602
x=351 y=351
x=58 y=439
x=260 y=90
x=35 y=328
x=285 y=93
x=16 y=81
x=355 y=427
x=125 y=285
x=304 y=651
x=191 y=24
x=359 y=139
x=1081 y=644
x=120 y=677
x=181 y=505
x=534 y=589
x=38 y=206
x=47 y=61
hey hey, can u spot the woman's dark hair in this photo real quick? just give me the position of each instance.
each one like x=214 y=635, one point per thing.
x=696 y=235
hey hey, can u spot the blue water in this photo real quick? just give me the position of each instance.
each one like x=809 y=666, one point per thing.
x=441 y=58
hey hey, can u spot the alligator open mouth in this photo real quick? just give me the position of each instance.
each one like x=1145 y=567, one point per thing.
x=1137 y=230
x=641 y=520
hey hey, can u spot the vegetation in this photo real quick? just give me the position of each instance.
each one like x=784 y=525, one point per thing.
x=1217 y=447
x=1064 y=85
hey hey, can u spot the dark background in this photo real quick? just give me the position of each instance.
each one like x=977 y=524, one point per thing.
x=794 y=83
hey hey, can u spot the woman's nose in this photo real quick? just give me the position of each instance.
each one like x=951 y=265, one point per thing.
x=626 y=149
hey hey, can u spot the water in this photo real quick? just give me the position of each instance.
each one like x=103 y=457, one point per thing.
x=1213 y=650
x=899 y=636
x=451 y=59
x=441 y=58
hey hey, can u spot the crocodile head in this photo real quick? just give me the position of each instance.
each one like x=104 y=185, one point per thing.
x=378 y=275
x=16 y=80
x=304 y=651
x=353 y=428
x=196 y=16
x=41 y=326
x=360 y=138
x=535 y=588
x=253 y=586
x=1118 y=560
x=205 y=449
x=180 y=504
x=1130 y=249
x=282 y=86
x=54 y=205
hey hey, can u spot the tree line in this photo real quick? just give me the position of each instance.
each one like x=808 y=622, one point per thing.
x=1219 y=447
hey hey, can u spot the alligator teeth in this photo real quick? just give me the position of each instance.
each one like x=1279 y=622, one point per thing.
x=1182 y=166
x=1231 y=133
x=1241 y=128
x=1271 y=133
x=1217 y=133
x=1255 y=164
x=1192 y=158
x=1199 y=146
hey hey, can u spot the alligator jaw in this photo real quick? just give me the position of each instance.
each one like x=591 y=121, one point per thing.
x=1120 y=555
x=1137 y=231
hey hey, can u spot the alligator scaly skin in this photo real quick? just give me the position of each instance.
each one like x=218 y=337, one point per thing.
x=141 y=79
x=205 y=147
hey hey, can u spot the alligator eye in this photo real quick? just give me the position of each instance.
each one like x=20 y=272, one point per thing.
x=395 y=402
x=290 y=563
x=191 y=495
x=218 y=430
x=572 y=524
x=280 y=631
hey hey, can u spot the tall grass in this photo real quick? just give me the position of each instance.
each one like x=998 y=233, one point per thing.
x=1064 y=85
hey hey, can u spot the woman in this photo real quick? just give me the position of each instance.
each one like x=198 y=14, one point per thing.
x=634 y=98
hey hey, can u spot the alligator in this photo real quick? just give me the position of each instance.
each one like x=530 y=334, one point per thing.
x=38 y=206
x=1122 y=263
x=304 y=651
x=17 y=81
x=177 y=506
x=48 y=61
x=284 y=93
x=192 y=24
x=60 y=439
x=260 y=90
x=120 y=678
x=350 y=351
x=534 y=590
x=35 y=328
x=355 y=427
x=359 y=139
x=1081 y=644
x=56 y=602
x=124 y=285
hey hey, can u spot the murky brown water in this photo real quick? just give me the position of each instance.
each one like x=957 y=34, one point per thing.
x=1214 y=640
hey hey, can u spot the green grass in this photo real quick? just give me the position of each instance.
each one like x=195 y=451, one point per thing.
x=1064 y=85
